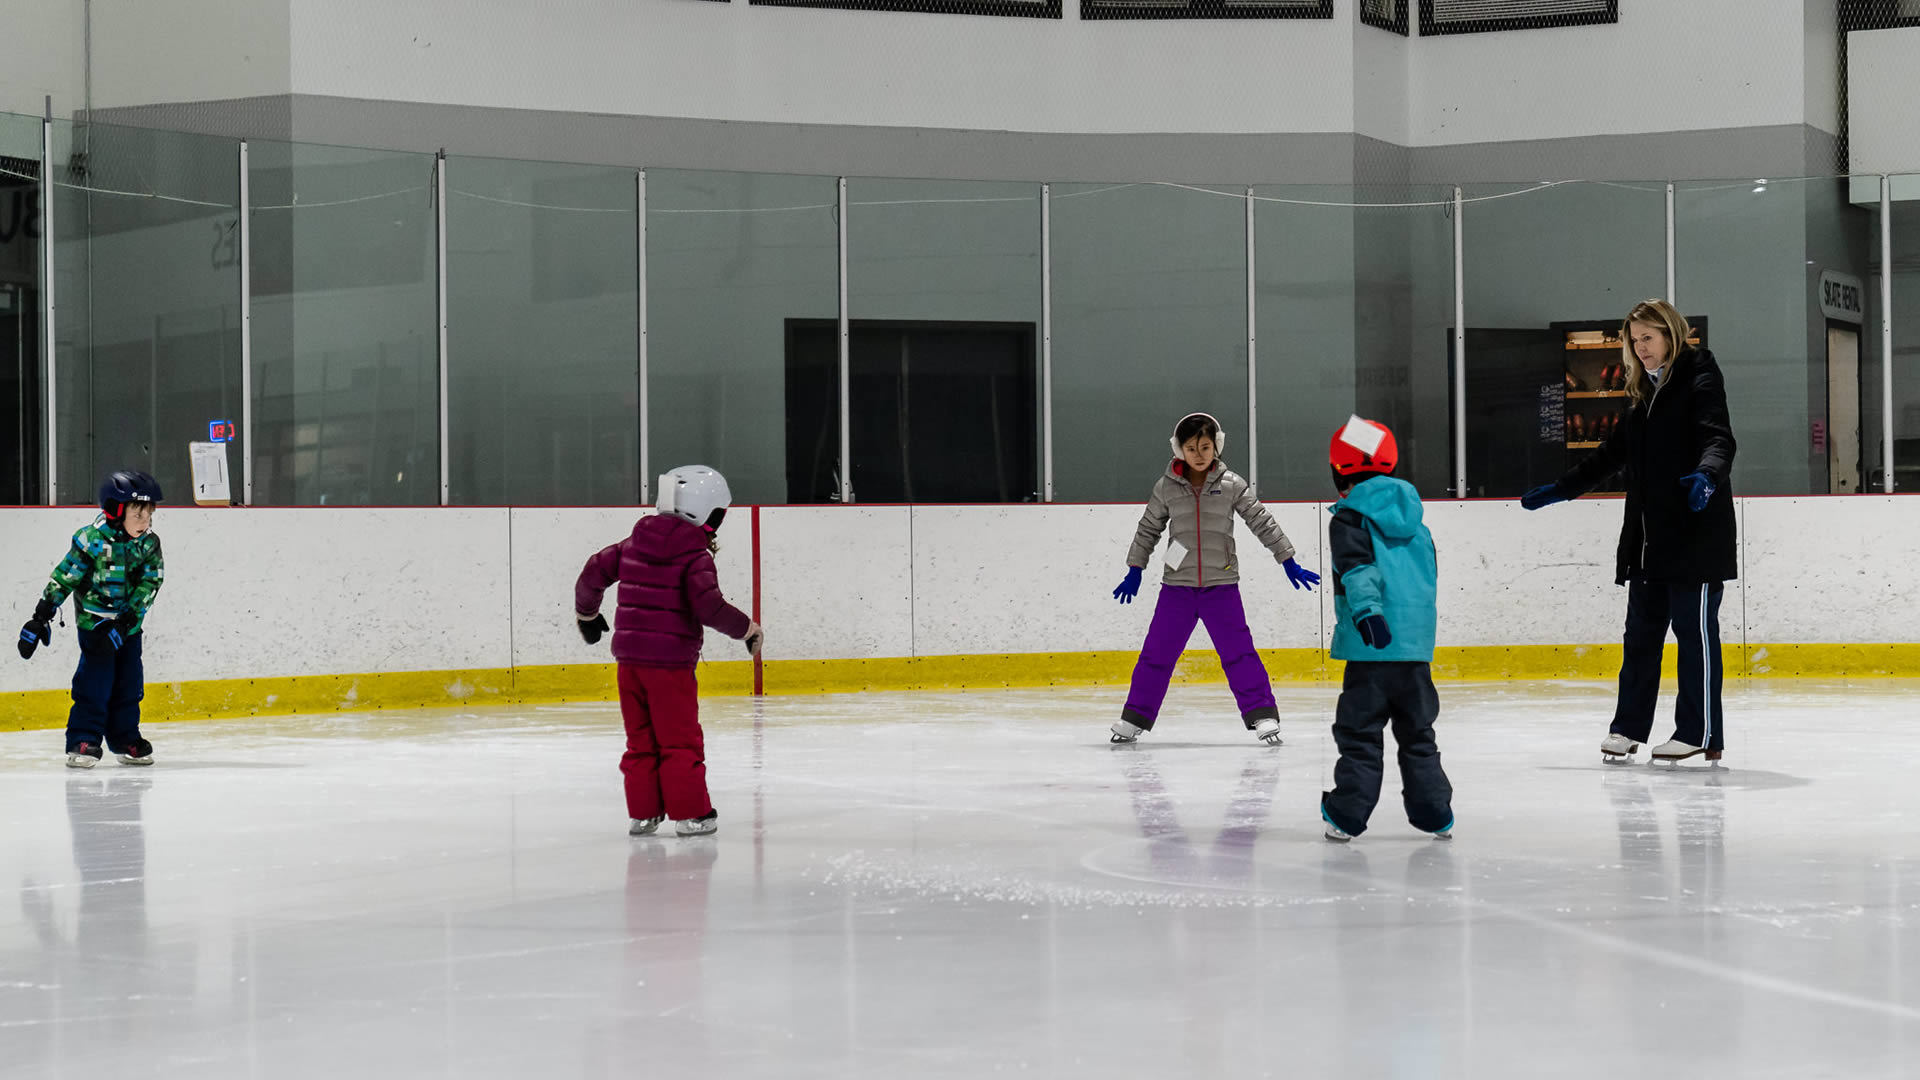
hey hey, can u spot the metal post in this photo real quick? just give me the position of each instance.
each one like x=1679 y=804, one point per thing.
x=47 y=307
x=1886 y=333
x=1046 y=342
x=846 y=363
x=246 y=331
x=1253 y=366
x=640 y=313
x=1459 y=349
x=440 y=265
x=1670 y=284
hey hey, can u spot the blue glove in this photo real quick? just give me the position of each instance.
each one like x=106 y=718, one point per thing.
x=1129 y=588
x=1544 y=495
x=1301 y=577
x=1700 y=490
x=1373 y=631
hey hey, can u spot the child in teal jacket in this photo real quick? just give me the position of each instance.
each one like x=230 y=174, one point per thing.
x=1385 y=581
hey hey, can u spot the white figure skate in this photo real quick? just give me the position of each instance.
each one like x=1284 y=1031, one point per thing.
x=1617 y=749
x=1268 y=730
x=1673 y=751
x=1126 y=731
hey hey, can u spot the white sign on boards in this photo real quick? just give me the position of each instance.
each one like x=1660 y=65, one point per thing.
x=1842 y=297
x=210 y=486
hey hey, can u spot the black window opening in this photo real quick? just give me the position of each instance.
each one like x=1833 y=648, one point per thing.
x=1206 y=9
x=22 y=391
x=1021 y=9
x=1481 y=16
x=943 y=412
x=1385 y=14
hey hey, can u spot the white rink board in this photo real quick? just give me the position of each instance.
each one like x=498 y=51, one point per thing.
x=263 y=593
x=1838 y=571
x=836 y=582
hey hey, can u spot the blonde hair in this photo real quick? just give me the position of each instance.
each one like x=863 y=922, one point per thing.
x=1657 y=313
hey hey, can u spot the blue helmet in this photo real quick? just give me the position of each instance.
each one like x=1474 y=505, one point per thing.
x=127 y=486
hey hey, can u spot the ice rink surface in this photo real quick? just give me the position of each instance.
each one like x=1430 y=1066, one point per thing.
x=969 y=884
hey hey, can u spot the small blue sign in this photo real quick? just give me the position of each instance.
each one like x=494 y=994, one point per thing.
x=222 y=431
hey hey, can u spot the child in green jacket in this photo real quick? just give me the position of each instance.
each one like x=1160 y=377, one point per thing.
x=113 y=570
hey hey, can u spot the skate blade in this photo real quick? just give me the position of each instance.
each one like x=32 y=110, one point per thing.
x=125 y=760
x=81 y=761
x=1709 y=755
x=1122 y=740
x=1271 y=740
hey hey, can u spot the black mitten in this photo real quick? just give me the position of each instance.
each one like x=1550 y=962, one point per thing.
x=38 y=630
x=592 y=629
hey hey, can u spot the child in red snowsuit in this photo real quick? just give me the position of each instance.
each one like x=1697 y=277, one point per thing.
x=669 y=590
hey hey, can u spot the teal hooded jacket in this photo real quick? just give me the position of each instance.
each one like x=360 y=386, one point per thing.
x=1383 y=564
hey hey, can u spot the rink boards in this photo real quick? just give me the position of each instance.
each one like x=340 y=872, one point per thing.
x=283 y=610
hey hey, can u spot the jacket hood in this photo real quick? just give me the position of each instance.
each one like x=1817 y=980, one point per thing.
x=1390 y=503
x=665 y=537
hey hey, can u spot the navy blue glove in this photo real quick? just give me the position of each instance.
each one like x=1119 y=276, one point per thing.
x=591 y=629
x=38 y=631
x=1544 y=495
x=1301 y=577
x=121 y=628
x=1373 y=631
x=1700 y=490
x=1129 y=588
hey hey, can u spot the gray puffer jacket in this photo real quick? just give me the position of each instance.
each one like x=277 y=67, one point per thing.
x=1203 y=526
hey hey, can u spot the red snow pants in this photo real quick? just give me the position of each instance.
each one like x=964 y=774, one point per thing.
x=666 y=760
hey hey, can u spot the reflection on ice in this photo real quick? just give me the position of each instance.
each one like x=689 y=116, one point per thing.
x=963 y=883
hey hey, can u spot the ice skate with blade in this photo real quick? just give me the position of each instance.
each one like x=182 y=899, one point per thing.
x=1673 y=751
x=1268 y=730
x=1617 y=749
x=1126 y=731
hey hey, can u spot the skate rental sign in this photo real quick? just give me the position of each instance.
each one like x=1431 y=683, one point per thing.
x=1842 y=297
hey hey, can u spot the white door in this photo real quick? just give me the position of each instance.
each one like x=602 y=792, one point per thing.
x=1843 y=410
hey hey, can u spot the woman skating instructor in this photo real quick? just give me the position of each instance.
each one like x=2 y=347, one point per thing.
x=1675 y=450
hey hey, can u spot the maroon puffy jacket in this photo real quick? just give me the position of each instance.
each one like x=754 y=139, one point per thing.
x=668 y=591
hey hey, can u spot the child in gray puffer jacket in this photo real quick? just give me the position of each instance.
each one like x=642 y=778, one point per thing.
x=1197 y=498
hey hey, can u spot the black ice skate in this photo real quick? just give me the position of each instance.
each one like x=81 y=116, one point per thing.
x=84 y=756
x=137 y=752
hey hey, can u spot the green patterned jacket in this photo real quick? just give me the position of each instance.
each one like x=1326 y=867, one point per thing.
x=111 y=572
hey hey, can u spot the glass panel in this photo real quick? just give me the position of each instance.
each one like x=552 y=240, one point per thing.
x=1149 y=323
x=944 y=290
x=543 y=333
x=735 y=263
x=22 y=382
x=1551 y=270
x=345 y=342
x=1354 y=314
x=148 y=326
x=1748 y=257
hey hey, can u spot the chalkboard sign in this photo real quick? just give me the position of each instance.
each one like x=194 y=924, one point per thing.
x=1553 y=414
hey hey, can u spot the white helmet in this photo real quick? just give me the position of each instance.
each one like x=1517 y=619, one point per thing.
x=695 y=493
x=1219 y=441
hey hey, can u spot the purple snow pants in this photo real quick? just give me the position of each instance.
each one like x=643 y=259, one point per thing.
x=1180 y=607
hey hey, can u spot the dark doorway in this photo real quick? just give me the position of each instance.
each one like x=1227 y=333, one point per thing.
x=22 y=464
x=942 y=412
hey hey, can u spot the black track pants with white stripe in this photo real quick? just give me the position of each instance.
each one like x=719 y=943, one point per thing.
x=1693 y=611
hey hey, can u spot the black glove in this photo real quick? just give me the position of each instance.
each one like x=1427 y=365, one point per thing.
x=755 y=636
x=1373 y=631
x=121 y=628
x=593 y=628
x=38 y=630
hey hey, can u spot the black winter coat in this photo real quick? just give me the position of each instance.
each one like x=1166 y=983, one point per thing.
x=1682 y=428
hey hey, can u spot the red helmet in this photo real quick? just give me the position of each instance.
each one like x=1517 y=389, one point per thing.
x=1363 y=447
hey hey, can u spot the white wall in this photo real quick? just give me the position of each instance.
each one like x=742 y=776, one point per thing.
x=261 y=593
x=187 y=50
x=1674 y=66
x=739 y=62
x=42 y=52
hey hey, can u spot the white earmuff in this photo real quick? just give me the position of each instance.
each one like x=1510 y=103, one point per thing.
x=1219 y=441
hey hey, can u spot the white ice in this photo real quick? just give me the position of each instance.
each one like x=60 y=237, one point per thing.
x=913 y=885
